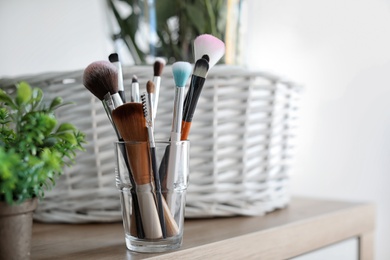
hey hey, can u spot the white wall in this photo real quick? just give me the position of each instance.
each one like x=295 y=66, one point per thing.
x=339 y=50
x=46 y=35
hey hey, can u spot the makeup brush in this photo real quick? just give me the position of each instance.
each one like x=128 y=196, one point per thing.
x=96 y=78
x=108 y=74
x=181 y=71
x=114 y=59
x=130 y=121
x=134 y=91
x=210 y=45
x=198 y=79
x=158 y=67
x=148 y=111
x=171 y=226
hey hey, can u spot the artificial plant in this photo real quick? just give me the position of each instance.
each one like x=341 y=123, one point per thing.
x=34 y=147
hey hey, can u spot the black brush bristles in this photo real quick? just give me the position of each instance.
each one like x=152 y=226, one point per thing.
x=206 y=57
x=113 y=57
x=99 y=77
x=197 y=81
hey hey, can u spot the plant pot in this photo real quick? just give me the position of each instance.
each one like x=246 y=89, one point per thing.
x=15 y=229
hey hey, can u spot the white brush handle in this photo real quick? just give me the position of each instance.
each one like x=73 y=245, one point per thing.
x=148 y=210
x=172 y=171
x=173 y=162
x=120 y=76
x=157 y=82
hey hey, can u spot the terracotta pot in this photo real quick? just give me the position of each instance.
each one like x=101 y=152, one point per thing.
x=15 y=229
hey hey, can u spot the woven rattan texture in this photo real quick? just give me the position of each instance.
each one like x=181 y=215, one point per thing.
x=241 y=145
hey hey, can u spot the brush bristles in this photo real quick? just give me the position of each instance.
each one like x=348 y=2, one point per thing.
x=113 y=57
x=201 y=68
x=158 y=67
x=150 y=88
x=209 y=45
x=144 y=105
x=99 y=77
x=181 y=72
x=130 y=122
x=134 y=79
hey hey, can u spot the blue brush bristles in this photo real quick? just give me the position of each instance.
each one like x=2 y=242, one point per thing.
x=181 y=72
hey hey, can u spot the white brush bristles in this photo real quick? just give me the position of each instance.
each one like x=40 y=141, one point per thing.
x=210 y=45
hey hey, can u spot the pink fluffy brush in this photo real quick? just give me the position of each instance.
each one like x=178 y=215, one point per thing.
x=207 y=44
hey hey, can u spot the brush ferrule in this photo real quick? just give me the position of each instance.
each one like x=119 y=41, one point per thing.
x=151 y=137
x=117 y=100
x=134 y=92
x=178 y=110
x=109 y=103
x=120 y=76
x=149 y=102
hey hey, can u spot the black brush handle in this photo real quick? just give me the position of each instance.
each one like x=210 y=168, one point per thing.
x=192 y=97
x=157 y=183
x=138 y=219
x=122 y=95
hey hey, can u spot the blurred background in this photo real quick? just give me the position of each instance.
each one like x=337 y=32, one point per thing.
x=339 y=51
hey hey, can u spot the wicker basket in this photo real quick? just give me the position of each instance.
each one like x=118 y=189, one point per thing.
x=240 y=145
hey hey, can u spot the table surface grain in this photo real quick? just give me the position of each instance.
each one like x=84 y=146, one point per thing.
x=305 y=225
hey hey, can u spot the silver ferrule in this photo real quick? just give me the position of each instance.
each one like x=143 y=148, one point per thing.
x=151 y=137
x=149 y=102
x=134 y=95
x=178 y=110
x=117 y=100
x=108 y=102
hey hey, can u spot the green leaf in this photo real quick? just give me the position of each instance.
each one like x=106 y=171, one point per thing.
x=68 y=137
x=23 y=94
x=66 y=127
x=7 y=99
x=37 y=97
x=56 y=103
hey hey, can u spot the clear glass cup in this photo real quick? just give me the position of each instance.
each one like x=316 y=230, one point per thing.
x=152 y=181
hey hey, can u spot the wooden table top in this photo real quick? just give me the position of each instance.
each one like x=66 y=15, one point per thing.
x=305 y=225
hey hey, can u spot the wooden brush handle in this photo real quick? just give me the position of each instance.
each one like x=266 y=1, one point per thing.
x=149 y=214
x=138 y=156
x=171 y=225
x=185 y=130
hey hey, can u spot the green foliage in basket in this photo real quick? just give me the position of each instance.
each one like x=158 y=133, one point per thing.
x=178 y=22
x=34 y=148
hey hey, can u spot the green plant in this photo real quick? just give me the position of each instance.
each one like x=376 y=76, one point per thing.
x=177 y=23
x=34 y=147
